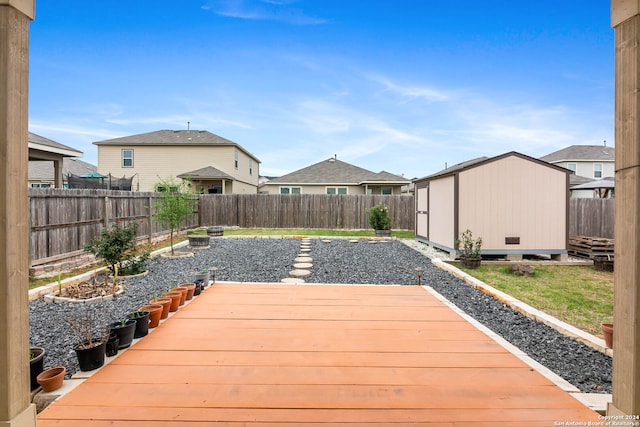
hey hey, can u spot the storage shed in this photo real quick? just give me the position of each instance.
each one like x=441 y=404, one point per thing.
x=517 y=204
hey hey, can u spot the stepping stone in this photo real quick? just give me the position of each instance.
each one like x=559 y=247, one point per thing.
x=373 y=242
x=305 y=246
x=305 y=250
x=303 y=259
x=299 y=273
x=291 y=280
x=302 y=265
x=353 y=241
x=326 y=241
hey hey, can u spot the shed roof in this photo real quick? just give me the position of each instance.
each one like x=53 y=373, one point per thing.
x=174 y=138
x=334 y=171
x=594 y=185
x=470 y=164
x=581 y=153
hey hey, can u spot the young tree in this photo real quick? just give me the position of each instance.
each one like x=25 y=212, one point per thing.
x=175 y=205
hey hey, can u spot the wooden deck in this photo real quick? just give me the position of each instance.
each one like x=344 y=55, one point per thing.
x=315 y=355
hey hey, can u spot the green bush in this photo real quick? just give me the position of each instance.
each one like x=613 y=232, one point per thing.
x=116 y=246
x=379 y=217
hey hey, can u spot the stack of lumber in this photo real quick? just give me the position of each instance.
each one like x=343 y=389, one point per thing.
x=590 y=247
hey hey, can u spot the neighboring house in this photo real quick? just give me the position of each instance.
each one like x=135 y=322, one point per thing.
x=599 y=189
x=45 y=150
x=213 y=164
x=589 y=161
x=41 y=173
x=333 y=176
x=518 y=205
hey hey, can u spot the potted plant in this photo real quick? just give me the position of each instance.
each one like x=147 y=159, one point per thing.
x=91 y=335
x=112 y=345
x=165 y=302
x=607 y=332
x=176 y=297
x=379 y=220
x=125 y=329
x=142 y=322
x=191 y=288
x=202 y=277
x=183 y=291
x=155 y=313
x=36 y=364
x=52 y=378
x=469 y=250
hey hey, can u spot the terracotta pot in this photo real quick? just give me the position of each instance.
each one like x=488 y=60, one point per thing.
x=607 y=331
x=175 y=300
x=191 y=288
x=184 y=292
x=165 y=302
x=52 y=378
x=155 y=312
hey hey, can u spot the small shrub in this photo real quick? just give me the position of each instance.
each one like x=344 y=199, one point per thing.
x=116 y=246
x=379 y=217
x=468 y=246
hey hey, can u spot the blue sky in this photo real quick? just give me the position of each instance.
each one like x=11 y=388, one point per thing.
x=405 y=86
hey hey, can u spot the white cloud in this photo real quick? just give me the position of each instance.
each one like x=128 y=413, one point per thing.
x=264 y=10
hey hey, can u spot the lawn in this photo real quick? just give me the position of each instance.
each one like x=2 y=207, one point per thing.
x=578 y=295
x=401 y=234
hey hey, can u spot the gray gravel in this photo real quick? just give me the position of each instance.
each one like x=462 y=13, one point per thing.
x=270 y=260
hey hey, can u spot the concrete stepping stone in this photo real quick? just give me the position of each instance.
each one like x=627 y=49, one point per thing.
x=299 y=273
x=302 y=265
x=305 y=250
x=292 y=280
x=303 y=258
x=353 y=241
x=326 y=241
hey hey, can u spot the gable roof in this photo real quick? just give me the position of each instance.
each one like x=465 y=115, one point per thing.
x=581 y=153
x=43 y=169
x=40 y=143
x=470 y=164
x=174 y=138
x=208 y=172
x=334 y=171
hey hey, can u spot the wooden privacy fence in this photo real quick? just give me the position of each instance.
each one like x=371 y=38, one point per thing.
x=591 y=217
x=63 y=222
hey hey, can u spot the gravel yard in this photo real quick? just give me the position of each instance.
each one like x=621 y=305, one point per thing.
x=340 y=261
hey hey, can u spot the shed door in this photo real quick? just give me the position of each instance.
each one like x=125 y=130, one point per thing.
x=422 y=211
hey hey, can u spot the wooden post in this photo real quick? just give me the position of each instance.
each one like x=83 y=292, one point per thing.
x=15 y=407
x=625 y=18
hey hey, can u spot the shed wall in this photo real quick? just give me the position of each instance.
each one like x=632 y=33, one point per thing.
x=442 y=211
x=513 y=197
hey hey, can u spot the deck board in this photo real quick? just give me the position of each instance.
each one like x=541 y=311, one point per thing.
x=315 y=355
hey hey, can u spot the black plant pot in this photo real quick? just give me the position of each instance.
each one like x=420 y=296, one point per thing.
x=198 y=289
x=91 y=358
x=125 y=332
x=112 y=345
x=142 y=323
x=36 y=365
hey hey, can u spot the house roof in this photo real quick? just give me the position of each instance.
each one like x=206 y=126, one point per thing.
x=334 y=171
x=173 y=138
x=470 y=164
x=40 y=143
x=43 y=170
x=208 y=172
x=581 y=153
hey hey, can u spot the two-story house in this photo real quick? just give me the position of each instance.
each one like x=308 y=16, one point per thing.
x=213 y=164
x=333 y=176
x=589 y=161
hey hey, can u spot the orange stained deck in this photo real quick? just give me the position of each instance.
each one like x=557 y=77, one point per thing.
x=315 y=355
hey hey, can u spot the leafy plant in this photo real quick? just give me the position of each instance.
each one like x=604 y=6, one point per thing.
x=116 y=245
x=379 y=217
x=467 y=246
x=174 y=206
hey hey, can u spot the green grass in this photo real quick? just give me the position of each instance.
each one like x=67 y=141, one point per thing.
x=401 y=234
x=577 y=295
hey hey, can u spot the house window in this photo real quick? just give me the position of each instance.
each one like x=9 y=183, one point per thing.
x=337 y=190
x=290 y=190
x=387 y=190
x=127 y=158
x=572 y=167
x=235 y=159
x=597 y=170
x=40 y=185
x=250 y=167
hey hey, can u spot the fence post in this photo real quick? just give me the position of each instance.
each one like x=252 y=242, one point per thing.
x=106 y=212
